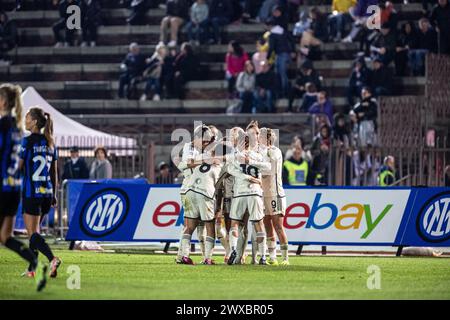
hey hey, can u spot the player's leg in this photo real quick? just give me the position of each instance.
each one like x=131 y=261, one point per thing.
x=192 y=216
x=8 y=209
x=237 y=209
x=226 y=213
x=37 y=243
x=209 y=242
x=261 y=240
x=254 y=246
x=256 y=210
x=271 y=240
x=242 y=240
x=185 y=242
x=222 y=236
x=278 y=223
x=207 y=215
x=180 y=251
x=270 y=207
x=281 y=233
x=201 y=235
x=7 y=239
x=233 y=236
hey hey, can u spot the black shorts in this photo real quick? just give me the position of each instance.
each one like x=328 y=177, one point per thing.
x=9 y=203
x=36 y=206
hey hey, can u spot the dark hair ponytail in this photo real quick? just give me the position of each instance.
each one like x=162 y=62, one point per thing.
x=43 y=120
x=48 y=130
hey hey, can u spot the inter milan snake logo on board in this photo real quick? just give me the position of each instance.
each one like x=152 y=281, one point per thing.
x=433 y=221
x=104 y=212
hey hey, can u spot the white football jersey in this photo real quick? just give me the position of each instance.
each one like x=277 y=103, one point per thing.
x=204 y=178
x=272 y=181
x=189 y=153
x=241 y=172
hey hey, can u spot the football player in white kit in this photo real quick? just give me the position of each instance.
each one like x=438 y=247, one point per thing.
x=224 y=190
x=191 y=158
x=199 y=204
x=247 y=193
x=221 y=223
x=274 y=198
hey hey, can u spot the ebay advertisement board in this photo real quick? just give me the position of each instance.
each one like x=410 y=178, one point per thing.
x=331 y=215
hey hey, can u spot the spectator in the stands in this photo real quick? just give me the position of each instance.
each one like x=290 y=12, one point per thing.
x=320 y=151
x=265 y=10
x=61 y=25
x=91 y=20
x=387 y=174
x=177 y=13
x=381 y=78
x=164 y=175
x=340 y=18
x=75 y=167
x=303 y=23
x=360 y=15
x=132 y=67
x=440 y=18
x=341 y=130
x=198 y=25
x=138 y=10
x=185 y=67
x=101 y=168
x=152 y=73
x=309 y=97
x=318 y=32
x=306 y=73
x=386 y=18
x=388 y=14
x=366 y=113
x=359 y=78
x=265 y=89
x=323 y=106
x=220 y=12
x=168 y=73
x=426 y=42
x=384 y=45
x=281 y=44
x=280 y=17
x=260 y=55
x=8 y=36
x=245 y=86
x=296 y=170
x=407 y=40
x=234 y=64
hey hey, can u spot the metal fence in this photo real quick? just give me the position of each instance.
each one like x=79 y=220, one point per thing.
x=415 y=166
x=413 y=129
x=130 y=155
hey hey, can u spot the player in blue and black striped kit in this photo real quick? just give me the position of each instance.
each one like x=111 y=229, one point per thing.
x=10 y=135
x=38 y=157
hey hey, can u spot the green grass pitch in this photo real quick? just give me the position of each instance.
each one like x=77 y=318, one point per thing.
x=150 y=276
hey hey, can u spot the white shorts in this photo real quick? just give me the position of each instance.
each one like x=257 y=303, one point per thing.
x=252 y=204
x=197 y=206
x=274 y=206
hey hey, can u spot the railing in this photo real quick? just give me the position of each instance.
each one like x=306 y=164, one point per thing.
x=415 y=166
